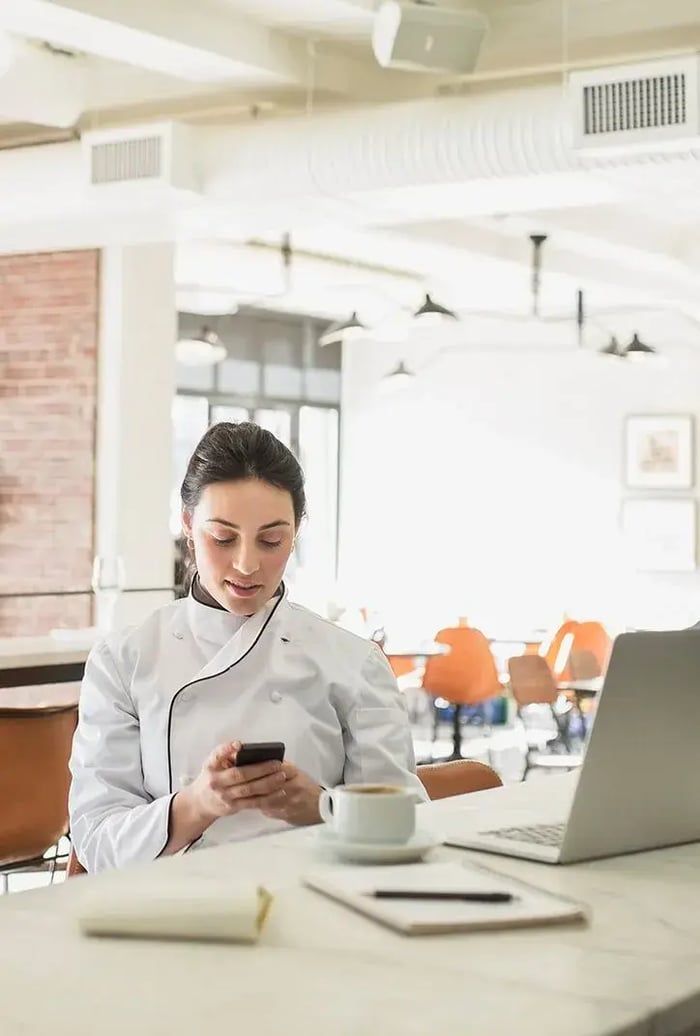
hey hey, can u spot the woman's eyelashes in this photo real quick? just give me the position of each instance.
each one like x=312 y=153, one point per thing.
x=267 y=544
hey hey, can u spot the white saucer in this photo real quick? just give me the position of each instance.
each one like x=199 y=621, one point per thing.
x=420 y=843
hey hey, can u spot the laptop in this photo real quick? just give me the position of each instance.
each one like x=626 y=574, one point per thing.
x=639 y=785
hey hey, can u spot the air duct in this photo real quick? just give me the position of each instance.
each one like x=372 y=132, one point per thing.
x=487 y=137
x=487 y=152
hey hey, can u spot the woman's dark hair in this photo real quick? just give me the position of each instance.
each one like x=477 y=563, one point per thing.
x=231 y=452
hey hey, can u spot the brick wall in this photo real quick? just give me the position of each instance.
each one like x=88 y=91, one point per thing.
x=48 y=385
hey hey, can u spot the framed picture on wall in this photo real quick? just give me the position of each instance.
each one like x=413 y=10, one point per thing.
x=659 y=451
x=660 y=535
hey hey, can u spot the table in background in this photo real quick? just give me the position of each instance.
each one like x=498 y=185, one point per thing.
x=31 y=661
x=321 y=969
x=425 y=652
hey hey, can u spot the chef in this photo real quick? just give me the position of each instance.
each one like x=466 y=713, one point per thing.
x=165 y=707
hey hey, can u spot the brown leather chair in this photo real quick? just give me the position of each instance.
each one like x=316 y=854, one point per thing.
x=532 y=683
x=35 y=745
x=442 y=780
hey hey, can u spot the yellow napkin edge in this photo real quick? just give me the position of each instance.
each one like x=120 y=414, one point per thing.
x=265 y=899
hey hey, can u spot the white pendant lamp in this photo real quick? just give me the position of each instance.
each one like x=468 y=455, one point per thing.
x=201 y=350
x=344 y=331
x=432 y=314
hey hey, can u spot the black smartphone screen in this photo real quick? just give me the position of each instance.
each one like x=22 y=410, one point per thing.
x=260 y=752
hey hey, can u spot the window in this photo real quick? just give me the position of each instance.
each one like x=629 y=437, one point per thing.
x=318 y=453
x=236 y=414
x=279 y=422
x=190 y=419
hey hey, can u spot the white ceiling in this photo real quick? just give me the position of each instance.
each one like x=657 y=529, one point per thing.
x=626 y=235
x=335 y=19
x=277 y=49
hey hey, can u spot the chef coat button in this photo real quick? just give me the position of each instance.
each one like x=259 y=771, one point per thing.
x=185 y=697
x=276 y=697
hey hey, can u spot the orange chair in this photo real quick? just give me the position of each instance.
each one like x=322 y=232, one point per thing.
x=557 y=651
x=594 y=639
x=584 y=666
x=35 y=745
x=442 y=780
x=400 y=665
x=467 y=675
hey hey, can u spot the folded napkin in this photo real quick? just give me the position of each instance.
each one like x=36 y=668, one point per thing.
x=210 y=912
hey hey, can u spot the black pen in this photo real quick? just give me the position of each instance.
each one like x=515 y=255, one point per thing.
x=465 y=897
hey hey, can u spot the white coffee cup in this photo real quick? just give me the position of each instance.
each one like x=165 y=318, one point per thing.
x=382 y=813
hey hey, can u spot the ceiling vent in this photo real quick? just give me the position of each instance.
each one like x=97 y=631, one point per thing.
x=146 y=156
x=647 y=107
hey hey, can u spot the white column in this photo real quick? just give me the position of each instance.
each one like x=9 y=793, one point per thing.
x=138 y=326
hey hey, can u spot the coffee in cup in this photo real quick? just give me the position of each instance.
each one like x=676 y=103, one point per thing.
x=379 y=813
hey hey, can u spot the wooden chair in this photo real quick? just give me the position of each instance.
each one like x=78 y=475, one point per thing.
x=442 y=780
x=556 y=652
x=532 y=683
x=35 y=746
x=467 y=675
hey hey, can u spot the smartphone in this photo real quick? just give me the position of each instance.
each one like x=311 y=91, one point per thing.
x=260 y=752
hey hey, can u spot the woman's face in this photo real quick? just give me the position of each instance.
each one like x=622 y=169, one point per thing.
x=243 y=533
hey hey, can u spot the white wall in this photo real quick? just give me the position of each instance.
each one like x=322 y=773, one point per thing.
x=491 y=487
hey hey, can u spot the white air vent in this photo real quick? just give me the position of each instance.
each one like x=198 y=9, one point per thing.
x=117 y=161
x=652 y=106
x=133 y=156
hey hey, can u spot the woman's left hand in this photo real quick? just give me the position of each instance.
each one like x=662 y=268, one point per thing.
x=301 y=799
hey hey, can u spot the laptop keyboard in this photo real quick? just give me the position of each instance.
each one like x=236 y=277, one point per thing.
x=541 y=834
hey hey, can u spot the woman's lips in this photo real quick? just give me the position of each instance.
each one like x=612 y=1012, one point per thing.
x=243 y=589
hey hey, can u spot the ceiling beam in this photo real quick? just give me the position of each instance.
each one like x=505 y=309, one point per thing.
x=202 y=45
x=174 y=37
x=574 y=255
x=41 y=87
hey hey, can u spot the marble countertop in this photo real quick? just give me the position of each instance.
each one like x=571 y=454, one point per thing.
x=26 y=652
x=322 y=970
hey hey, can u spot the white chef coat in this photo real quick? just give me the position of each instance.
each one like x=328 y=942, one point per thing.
x=157 y=699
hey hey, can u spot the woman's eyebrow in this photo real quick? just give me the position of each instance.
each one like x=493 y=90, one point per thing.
x=231 y=525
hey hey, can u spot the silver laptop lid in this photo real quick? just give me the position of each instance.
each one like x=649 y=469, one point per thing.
x=639 y=786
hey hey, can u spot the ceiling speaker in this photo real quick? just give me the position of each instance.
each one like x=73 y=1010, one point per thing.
x=424 y=38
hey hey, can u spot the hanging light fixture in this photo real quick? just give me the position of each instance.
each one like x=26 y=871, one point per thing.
x=201 y=350
x=344 y=331
x=432 y=314
x=399 y=375
x=613 y=348
x=639 y=350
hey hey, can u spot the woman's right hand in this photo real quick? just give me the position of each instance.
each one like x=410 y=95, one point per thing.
x=222 y=788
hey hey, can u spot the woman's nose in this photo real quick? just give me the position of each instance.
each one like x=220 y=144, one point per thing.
x=246 y=560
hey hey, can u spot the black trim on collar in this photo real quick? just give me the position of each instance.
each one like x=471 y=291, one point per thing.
x=200 y=595
x=203 y=679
